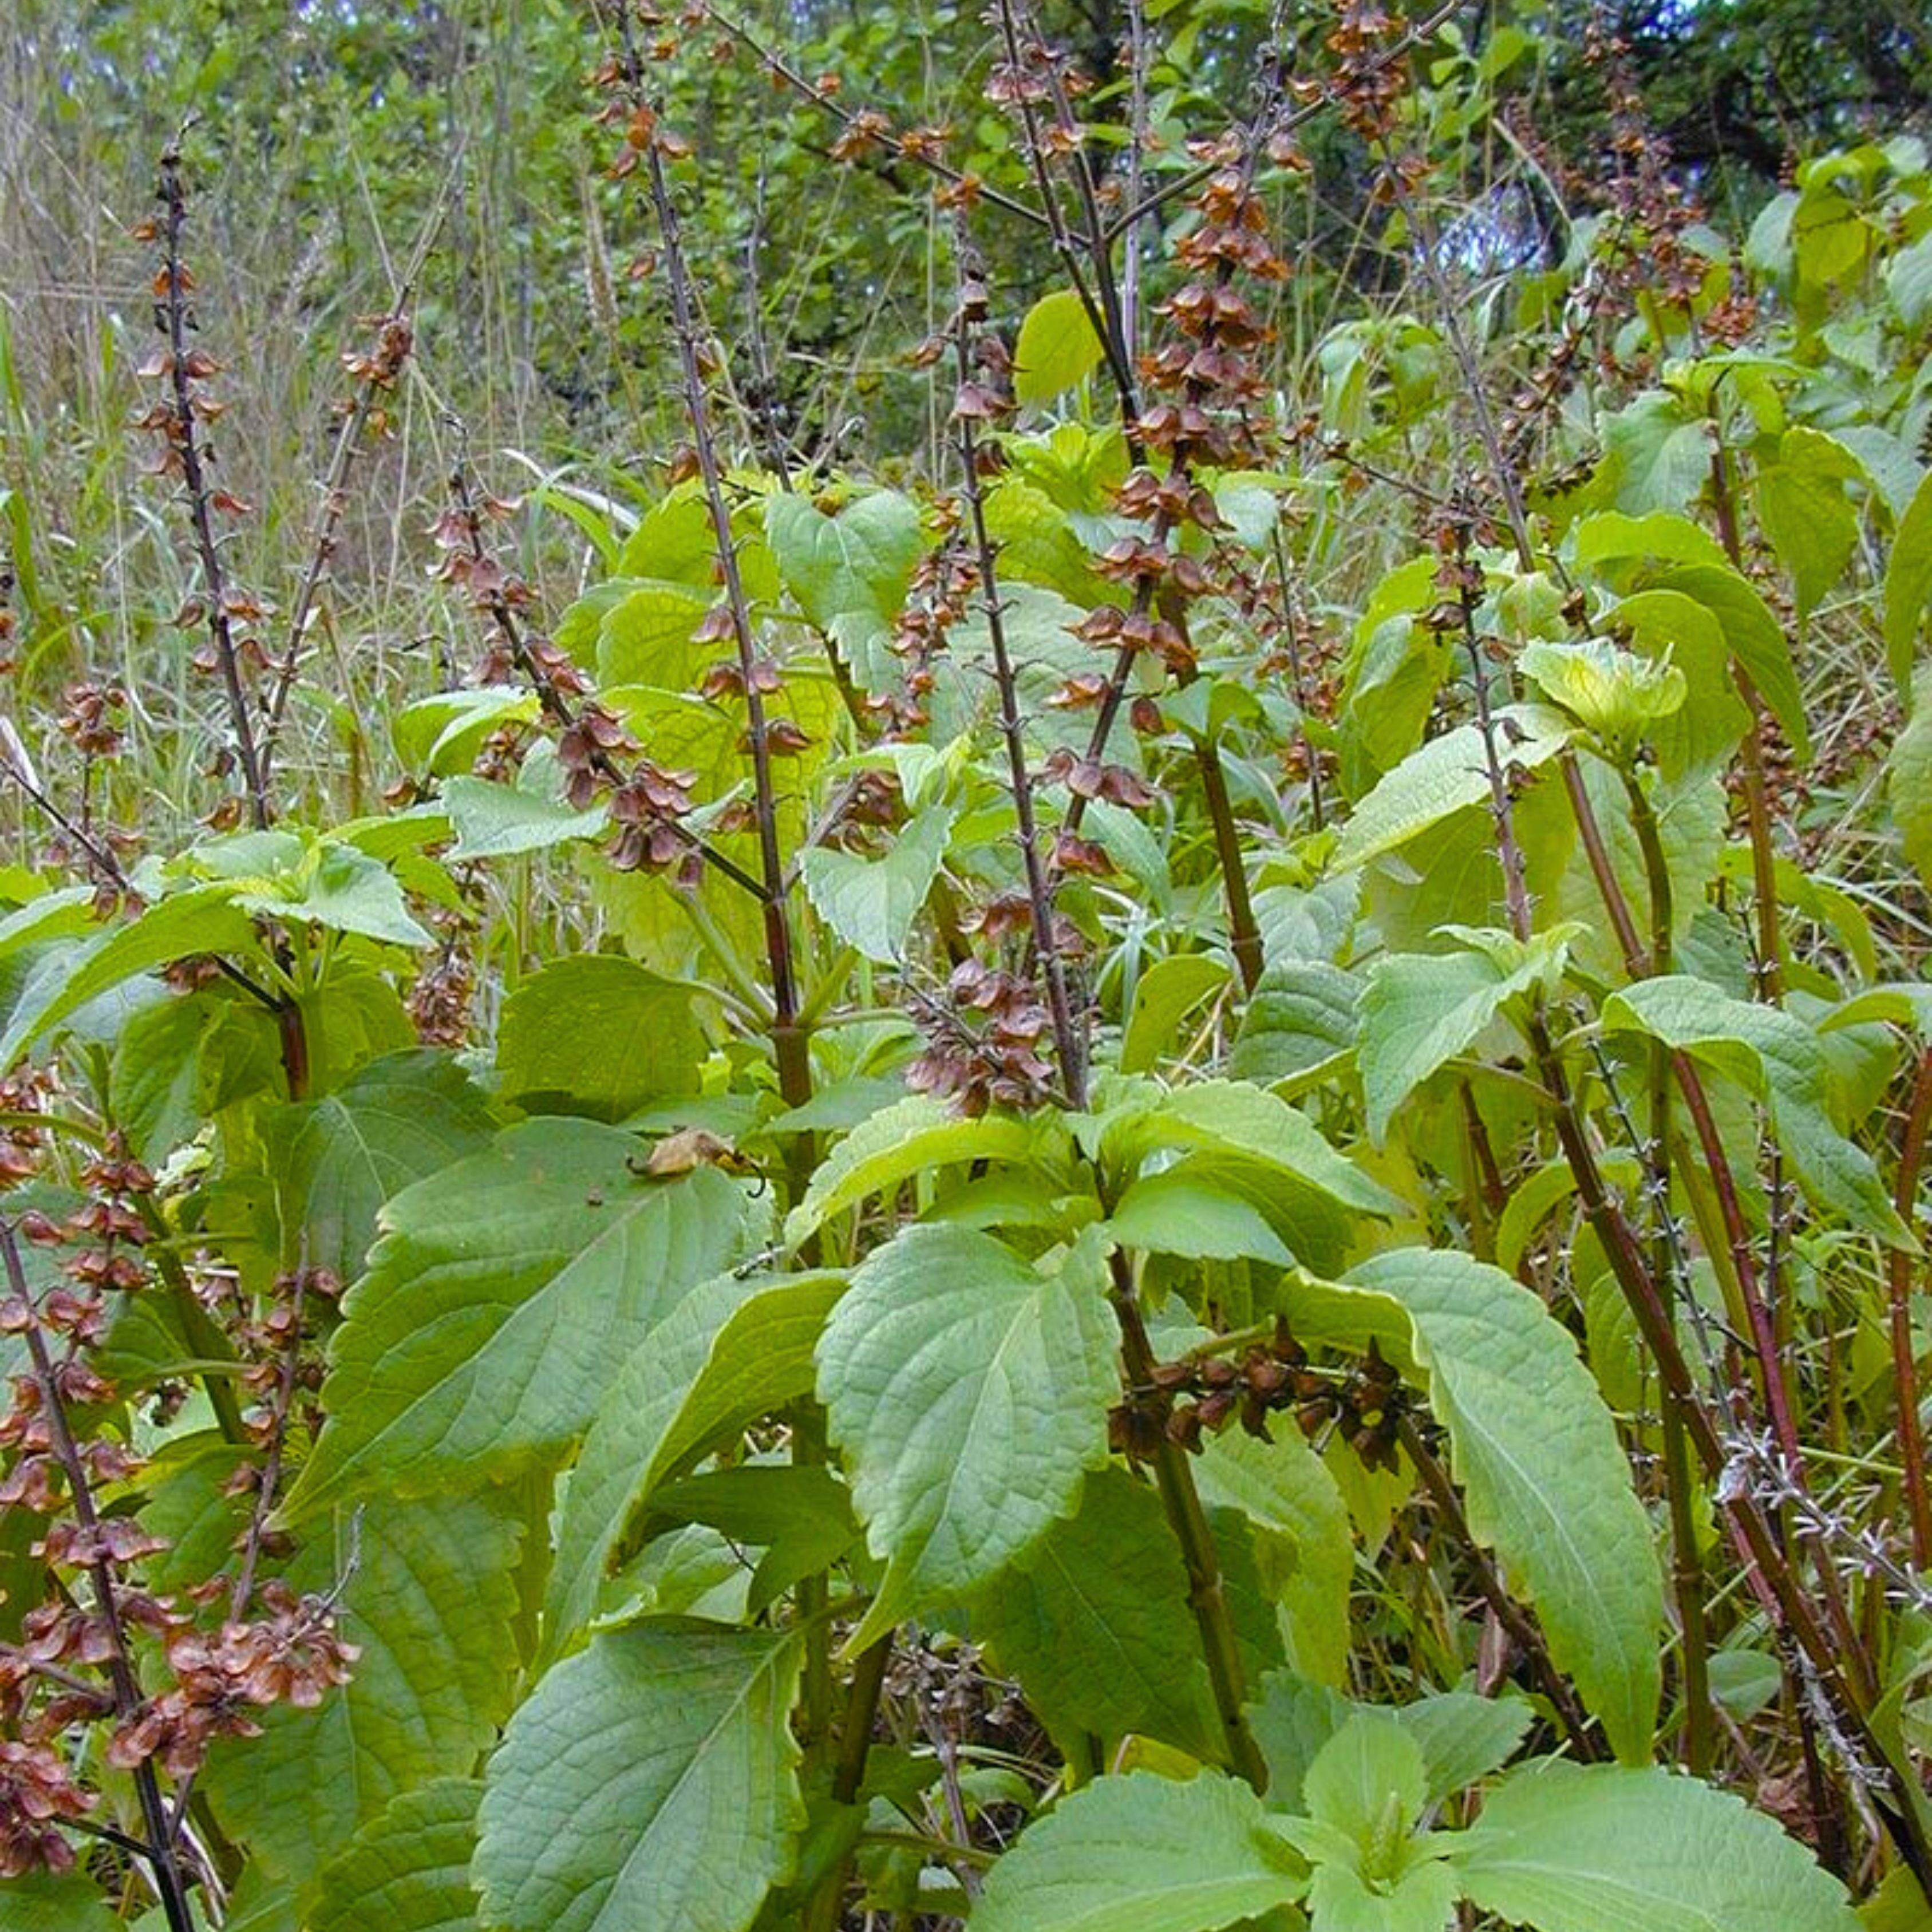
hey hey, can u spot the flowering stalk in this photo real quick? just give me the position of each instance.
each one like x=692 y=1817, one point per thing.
x=97 y=1549
x=185 y=456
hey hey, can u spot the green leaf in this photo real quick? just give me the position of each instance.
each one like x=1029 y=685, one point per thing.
x=1613 y=537
x=1420 y=1010
x=1169 y=991
x=408 y=1869
x=675 y=542
x=1586 y=1848
x=1615 y=692
x=1776 y=1056
x=501 y=1299
x=1093 y=1622
x=1701 y=734
x=1365 y=1788
x=1801 y=504
x=649 y=1784
x=1908 y=280
x=1659 y=454
x=1143 y=1854
x=799 y=1514
x=1463 y=1737
x=1303 y=1548
x=914 y=1137
x=871 y=903
x=969 y=1390
x=201 y=919
x=1908 y=586
x=645 y=637
x=336 y=1160
x=1443 y=776
x=849 y=572
x=1057 y=349
x=1232 y=1117
x=337 y=887
x=1301 y=1022
x=41 y=1902
x=1175 y=1212
x=599 y=1030
x=432 y=1603
x=497 y=821
x=180 y=1062
x=442 y=734
x=729 y=1352
x=1755 y=638
x=1545 y=1482
x=1908 y=780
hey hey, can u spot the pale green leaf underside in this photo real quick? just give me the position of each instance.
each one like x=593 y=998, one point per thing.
x=911 y=1137
x=871 y=903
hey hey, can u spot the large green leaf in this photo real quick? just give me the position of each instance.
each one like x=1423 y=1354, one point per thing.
x=1093 y=1622
x=501 y=1299
x=42 y=1902
x=1545 y=1482
x=200 y=920
x=913 y=1136
x=1304 y=1549
x=336 y=1160
x=1598 y=1848
x=1168 y=990
x=1776 y=1056
x=1178 y=1212
x=1658 y=454
x=1445 y=775
x=497 y=821
x=1300 y=1022
x=649 y=1784
x=1908 y=777
x=1420 y=1010
x=408 y=1869
x=1802 y=505
x=1908 y=586
x=600 y=1031
x=969 y=1390
x=730 y=1351
x=1248 y=1124
x=1756 y=639
x=432 y=1602
x=871 y=903
x=1613 y=537
x=1144 y=1854
x=645 y=637
x=1057 y=348
x=178 y=1062
x=849 y=571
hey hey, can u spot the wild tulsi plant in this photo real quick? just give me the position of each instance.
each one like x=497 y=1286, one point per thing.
x=1145 y=1253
